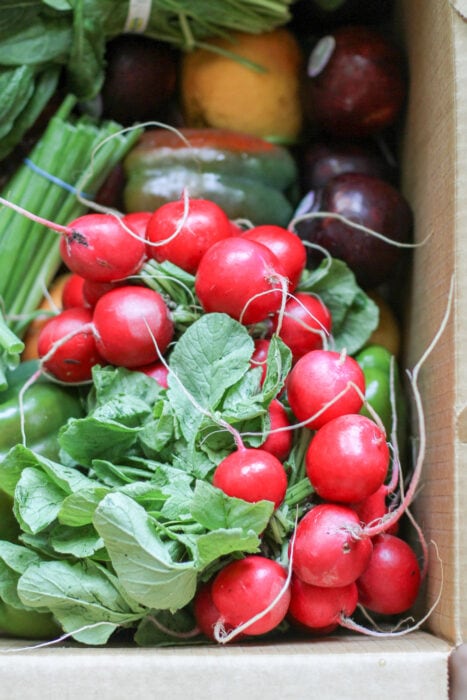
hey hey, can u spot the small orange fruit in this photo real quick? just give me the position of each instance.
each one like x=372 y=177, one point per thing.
x=220 y=91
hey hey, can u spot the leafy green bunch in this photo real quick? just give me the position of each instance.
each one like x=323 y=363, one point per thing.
x=122 y=530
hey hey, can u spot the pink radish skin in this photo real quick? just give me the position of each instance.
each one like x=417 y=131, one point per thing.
x=253 y=475
x=313 y=631
x=99 y=248
x=69 y=360
x=93 y=291
x=328 y=548
x=305 y=324
x=319 y=608
x=241 y=278
x=205 y=612
x=72 y=292
x=157 y=371
x=245 y=588
x=374 y=507
x=391 y=582
x=128 y=323
x=184 y=233
x=278 y=443
x=286 y=246
x=347 y=459
x=260 y=356
x=138 y=221
x=319 y=378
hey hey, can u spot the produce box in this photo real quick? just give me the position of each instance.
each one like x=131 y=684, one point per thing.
x=434 y=153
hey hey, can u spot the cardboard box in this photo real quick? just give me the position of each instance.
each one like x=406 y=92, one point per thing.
x=434 y=157
x=435 y=181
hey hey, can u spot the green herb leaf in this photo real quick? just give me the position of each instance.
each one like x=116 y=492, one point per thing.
x=86 y=439
x=211 y=546
x=86 y=601
x=211 y=356
x=37 y=500
x=14 y=560
x=165 y=628
x=354 y=315
x=116 y=382
x=140 y=558
x=215 y=510
x=78 y=508
x=19 y=458
x=79 y=542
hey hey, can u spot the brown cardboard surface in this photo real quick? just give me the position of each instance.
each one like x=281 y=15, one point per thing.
x=460 y=37
x=338 y=669
x=434 y=156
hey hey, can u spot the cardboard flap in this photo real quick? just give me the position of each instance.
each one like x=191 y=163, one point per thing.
x=331 y=669
x=460 y=6
x=435 y=182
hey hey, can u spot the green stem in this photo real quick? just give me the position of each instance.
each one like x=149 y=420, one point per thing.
x=298 y=493
x=31 y=254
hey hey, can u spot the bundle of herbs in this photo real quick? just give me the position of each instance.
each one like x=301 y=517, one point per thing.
x=74 y=153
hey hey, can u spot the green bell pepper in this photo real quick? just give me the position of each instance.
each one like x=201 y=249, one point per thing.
x=27 y=624
x=375 y=361
x=247 y=176
x=46 y=406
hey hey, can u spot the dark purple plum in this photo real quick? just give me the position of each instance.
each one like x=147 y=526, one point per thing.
x=355 y=84
x=365 y=200
x=140 y=79
x=323 y=159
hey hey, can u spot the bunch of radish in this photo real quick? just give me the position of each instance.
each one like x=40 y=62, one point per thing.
x=337 y=560
x=344 y=551
x=114 y=318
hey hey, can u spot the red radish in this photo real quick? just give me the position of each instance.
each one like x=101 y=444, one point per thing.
x=182 y=231
x=374 y=507
x=98 y=247
x=321 y=608
x=347 y=459
x=253 y=475
x=324 y=384
x=92 y=291
x=205 y=612
x=329 y=549
x=237 y=229
x=67 y=345
x=157 y=371
x=278 y=443
x=241 y=278
x=391 y=581
x=72 y=292
x=286 y=246
x=260 y=356
x=129 y=322
x=314 y=631
x=245 y=588
x=305 y=324
x=138 y=221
